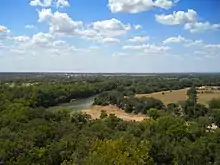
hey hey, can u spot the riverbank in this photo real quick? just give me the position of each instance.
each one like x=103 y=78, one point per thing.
x=95 y=112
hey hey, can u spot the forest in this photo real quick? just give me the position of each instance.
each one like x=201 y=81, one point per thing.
x=174 y=134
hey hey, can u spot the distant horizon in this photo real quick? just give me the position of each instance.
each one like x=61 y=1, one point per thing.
x=63 y=72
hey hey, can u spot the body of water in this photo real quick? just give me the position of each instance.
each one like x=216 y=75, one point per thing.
x=79 y=104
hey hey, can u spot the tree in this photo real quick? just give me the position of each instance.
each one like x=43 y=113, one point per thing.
x=216 y=117
x=153 y=113
x=119 y=152
x=103 y=114
x=214 y=104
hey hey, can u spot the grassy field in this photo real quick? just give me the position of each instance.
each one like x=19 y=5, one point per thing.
x=180 y=95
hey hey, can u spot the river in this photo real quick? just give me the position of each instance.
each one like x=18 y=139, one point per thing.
x=79 y=104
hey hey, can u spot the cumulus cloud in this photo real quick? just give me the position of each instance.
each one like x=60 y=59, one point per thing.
x=42 y=39
x=111 y=27
x=60 y=23
x=139 y=39
x=62 y=3
x=177 y=39
x=104 y=31
x=189 y=19
x=136 y=6
x=180 y=39
x=164 y=4
x=48 y=3
x=42 y=3
x=196 y=27
x=177 y=18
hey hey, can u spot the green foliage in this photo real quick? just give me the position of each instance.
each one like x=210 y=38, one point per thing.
x=120 y=152
x=191 y=108
x=216 y=117
x=128 y=104
x=30 y=134
x=153 y=113
x=214 y=104
x=103 y=114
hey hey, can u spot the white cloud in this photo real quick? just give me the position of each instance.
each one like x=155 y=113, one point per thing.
x=136 y=6
x=189 y=19
x=4 y=31
x=139 y=39
x=48 y=3
x=42 y=3
x=149 y=49
x=177 y=39
x=60 y=23
x=89 y=34
x=29 y=27
x=104 y=30
x=111 y=27
x=110 y=40
x=45 y=15
x=42 y=39
x=177 y=18
x=153 y=49
x=137 y=27
x=21 y=38
x=164 y=4
x=180 y=39
x=196 y=27
x=62 y=3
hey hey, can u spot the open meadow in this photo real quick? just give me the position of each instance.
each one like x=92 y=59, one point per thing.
x=175 y=96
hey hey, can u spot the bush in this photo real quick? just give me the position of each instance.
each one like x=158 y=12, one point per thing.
x=214 y=104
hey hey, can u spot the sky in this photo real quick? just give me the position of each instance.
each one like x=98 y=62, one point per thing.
x=110 y=36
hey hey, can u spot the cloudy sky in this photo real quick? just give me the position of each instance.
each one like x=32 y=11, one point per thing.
x=110 y=35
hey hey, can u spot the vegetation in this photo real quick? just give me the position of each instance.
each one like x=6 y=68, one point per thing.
x=175 y=134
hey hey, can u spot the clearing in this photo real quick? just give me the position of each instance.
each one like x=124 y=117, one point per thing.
x=95 y=112
x=204 y=96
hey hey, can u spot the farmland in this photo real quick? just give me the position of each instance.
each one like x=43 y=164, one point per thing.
x=176 y=96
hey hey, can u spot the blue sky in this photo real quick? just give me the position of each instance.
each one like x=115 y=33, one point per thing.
x=110 y=35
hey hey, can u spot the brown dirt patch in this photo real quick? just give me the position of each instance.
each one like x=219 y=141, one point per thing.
x=95 y=112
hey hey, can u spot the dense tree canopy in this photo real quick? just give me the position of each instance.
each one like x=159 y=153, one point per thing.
x=174 y=134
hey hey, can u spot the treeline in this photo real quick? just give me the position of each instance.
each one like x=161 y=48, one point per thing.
x=128 y=104
x=53 y=90
x=46 y=95
x=189 y=109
